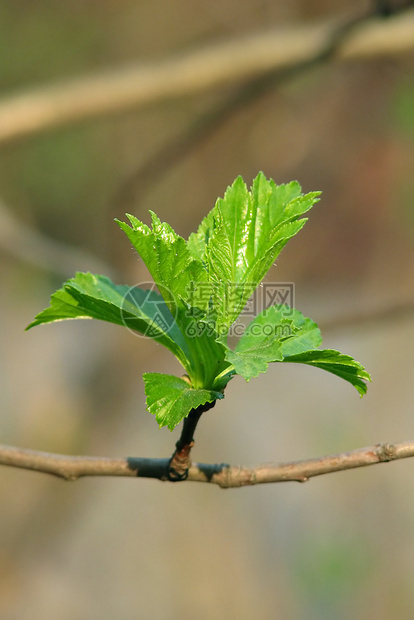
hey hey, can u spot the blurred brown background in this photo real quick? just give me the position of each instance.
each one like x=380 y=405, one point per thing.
x=341 y=546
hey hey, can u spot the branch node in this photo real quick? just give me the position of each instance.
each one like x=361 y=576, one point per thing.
x=180 y=463
x=386 y=451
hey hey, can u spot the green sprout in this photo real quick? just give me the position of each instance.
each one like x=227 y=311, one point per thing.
x=203 y=287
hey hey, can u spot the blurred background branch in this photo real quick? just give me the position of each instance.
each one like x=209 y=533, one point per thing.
x=217 y=65
x=366 y=35
x=372 y=316
x=24 y=242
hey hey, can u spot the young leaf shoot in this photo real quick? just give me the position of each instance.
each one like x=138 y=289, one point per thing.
x=203 y=287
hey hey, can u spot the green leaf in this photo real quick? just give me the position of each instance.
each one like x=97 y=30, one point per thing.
x=167 y=258
x=343 y=366
x=305 y=334
x=296 y=332
x=181 y=279
x=276 y=332
x=283 y=334
x=251 y=362
x=198 y=241
x=243 y=236
x=89 y=296
x=171 y=399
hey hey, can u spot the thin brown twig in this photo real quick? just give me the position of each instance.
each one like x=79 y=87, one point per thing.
x=225 y=476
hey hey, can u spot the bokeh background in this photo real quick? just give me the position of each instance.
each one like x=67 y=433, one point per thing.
x=340 y=546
